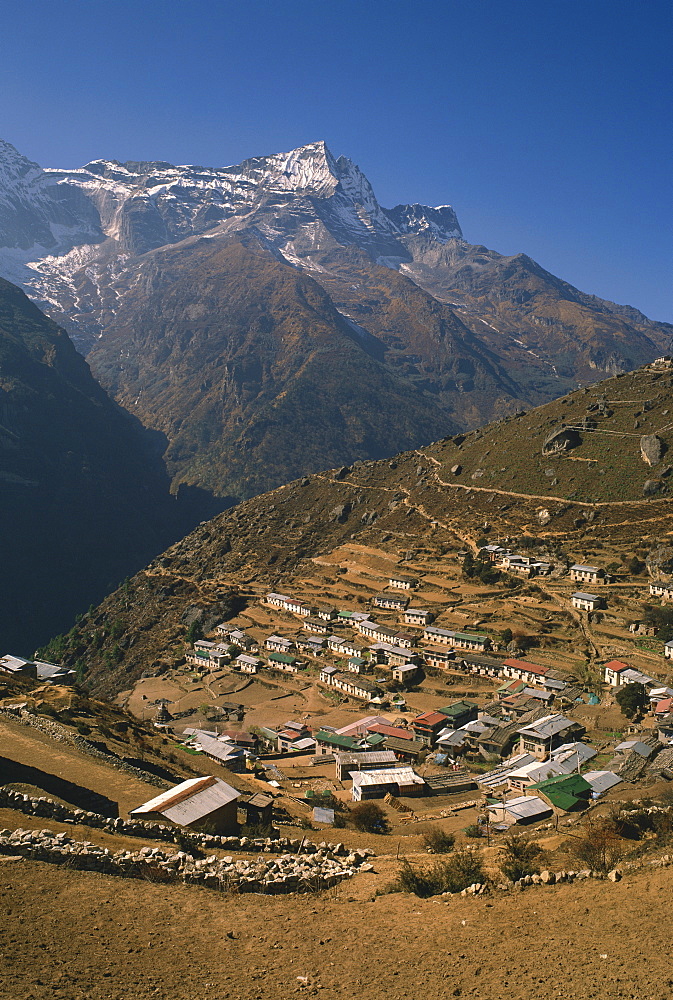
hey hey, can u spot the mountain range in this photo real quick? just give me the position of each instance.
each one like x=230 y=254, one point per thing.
x=271 y=319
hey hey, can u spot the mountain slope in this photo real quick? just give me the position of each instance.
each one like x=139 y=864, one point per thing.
x=254 y=377
x=506 y=479
x=83 y=501
x=438 y=322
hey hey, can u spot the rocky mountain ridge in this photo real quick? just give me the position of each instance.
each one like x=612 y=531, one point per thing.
x=84 y=498
x=412 y=320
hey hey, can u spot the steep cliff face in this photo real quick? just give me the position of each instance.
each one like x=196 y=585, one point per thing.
x=83 y=501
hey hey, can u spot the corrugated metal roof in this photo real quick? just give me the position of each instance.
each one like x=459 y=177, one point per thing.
x=393 y=775
x=546 y=727
x=524 y=807
x=601 y=781
x=630 y=745
x=201 y=804
x=190 y=800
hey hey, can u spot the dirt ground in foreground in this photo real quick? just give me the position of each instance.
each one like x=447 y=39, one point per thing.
x=82 y=935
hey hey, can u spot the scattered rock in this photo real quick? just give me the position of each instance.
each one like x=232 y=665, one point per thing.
x=340 y=513
x=456 y=470
x=561 y=439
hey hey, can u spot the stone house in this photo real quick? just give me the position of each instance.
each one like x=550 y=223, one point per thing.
x=545 y=734
x=287 y=664
x=206 y=804
x=459 y=640
x=523 y=670
x=586 y=602
x=246 y=664
x=580 y=573
x=405 y=672
x=418 y=616
x=402 y=582
x=394 y=602
x=278 y=644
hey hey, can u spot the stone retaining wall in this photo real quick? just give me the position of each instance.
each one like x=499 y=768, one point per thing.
x=556 y=878
x=62 y=735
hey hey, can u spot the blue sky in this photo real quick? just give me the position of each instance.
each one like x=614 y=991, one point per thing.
x=545 y=123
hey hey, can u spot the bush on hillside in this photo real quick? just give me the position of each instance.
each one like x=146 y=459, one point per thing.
x=519 y=857
x=368 y=817
x=600 y=848
x=461 y=870
x=439 y=841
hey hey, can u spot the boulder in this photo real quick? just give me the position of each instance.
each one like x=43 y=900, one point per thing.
x=652 y=449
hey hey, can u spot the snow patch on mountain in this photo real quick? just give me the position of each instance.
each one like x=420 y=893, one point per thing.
x=440 y=223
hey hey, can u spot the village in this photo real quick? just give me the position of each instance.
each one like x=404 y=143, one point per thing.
x=391 y=705
x=320 y=706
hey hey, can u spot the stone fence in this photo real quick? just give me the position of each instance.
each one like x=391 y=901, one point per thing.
x=547 y=878
x=46 y=808
x=63 y=735
x=283 y=874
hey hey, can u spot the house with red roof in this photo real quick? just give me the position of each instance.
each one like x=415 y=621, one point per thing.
x=523 y=670
x=613 y=671
x=427 y=726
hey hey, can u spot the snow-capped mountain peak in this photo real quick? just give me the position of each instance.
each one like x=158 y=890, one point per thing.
x=66 y=234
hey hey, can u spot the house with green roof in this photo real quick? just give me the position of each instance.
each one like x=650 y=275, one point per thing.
x=327 y=742
x=285 y=662
x=459 y=713
x=566 y=792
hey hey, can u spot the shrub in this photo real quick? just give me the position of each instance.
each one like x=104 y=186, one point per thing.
x=600 y=848
x=439 y=841
x=473 y=830
x=462 y=869
x=632 y=699
x=368 y=817
x=519 y=857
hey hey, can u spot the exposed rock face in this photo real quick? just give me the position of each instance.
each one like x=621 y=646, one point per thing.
x=652 y=449
x=562 y=439
x=660 y=561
